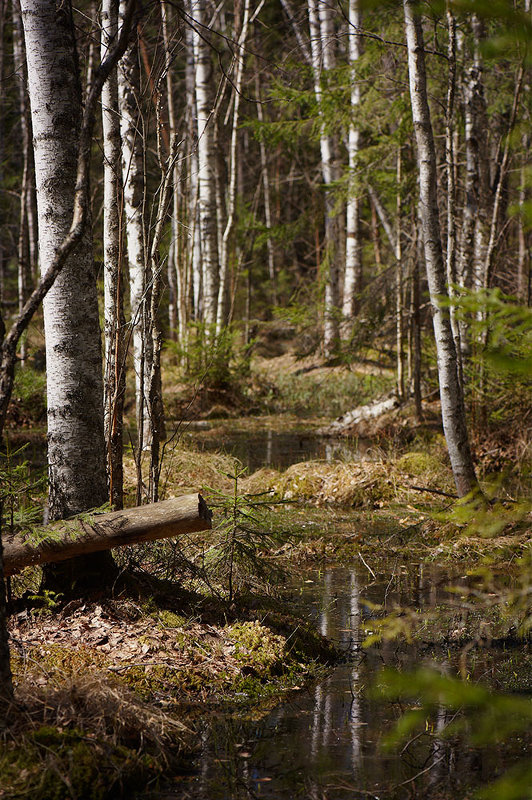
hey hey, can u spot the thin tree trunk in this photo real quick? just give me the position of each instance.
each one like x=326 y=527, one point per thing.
x=523 y=263
x=267 y=194
x=322 y=42
x=353 y=253
x=19 y=64
x=172 y=252
x=452 y=403
x=415 y=320
x=194 y=258
x=221 y=316
x=399 y=311
x=115 y=345
x=6 y=678
x=206 y=162
x=133 y=180
x=451 y=186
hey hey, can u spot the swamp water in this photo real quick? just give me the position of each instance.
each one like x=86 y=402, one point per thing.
x=276 y=449
x=324 y=742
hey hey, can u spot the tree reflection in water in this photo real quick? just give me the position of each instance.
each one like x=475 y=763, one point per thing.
x=324 y=743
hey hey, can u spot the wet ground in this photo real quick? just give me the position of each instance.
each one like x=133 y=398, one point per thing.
x=277 y=449
x=325 y=743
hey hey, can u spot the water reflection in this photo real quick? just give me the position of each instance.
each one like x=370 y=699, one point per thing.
x=277 y=449
x=324 y=743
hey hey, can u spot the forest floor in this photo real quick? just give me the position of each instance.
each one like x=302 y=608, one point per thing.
x=112 y=686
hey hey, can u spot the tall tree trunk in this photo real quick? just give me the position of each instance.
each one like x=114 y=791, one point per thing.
x=206 y=162
x=133 y=180
x=221 y=316
x=193 y=251
x=172 y=263
x=6 y=679
x=415 y=323
x=353 y=252
x=451 y=184
x=322 y=43
x=265 y=171
x=523 y=263
x=73 y=354
x=452 y=403
x=115 y=345
x=26 y=208
x=399 y=300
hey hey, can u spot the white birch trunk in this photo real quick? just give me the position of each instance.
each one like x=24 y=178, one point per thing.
x=452 y=403
x=322 y=43
x=221 y=316
x=132 y=134
x=451 y=184
x=206 y=162
x=194 y=258
x=172 y=251
x=73 y=354
x=353 y=249
x=115 y=346
x=399 y=316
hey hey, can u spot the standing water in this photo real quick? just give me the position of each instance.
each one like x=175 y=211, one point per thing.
x=325 y=742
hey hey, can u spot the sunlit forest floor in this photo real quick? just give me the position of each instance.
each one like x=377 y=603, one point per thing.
x=112 y=686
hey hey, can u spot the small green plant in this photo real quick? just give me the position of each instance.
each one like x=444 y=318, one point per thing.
x=20 y=511
x=240 y=550
x=47 y=599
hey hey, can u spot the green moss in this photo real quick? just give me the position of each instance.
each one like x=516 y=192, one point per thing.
x=58 y=764
x=257 y=647
x=66 y=661
x=417 y=463
x=167 y=619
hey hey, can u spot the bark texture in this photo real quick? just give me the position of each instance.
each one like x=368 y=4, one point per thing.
x=353 y=247
x=206 y=162
x=452 y=403
x=115 y=346
x=63 y=540
x=322 y=45
x=132 y=133
x=73 y=354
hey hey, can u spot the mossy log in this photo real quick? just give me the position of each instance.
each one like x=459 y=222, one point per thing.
x=92 y=533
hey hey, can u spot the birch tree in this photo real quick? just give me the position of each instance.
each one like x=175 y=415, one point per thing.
x=322 y=45
x=207 y=211
x=221 y=316
x=452 y=402
x=353 y=250
x=77 y=478
x=133 y=181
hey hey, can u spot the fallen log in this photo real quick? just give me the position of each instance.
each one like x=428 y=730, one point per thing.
x=91 y=533
x=361 y=414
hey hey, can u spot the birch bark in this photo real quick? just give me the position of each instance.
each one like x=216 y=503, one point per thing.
x=322 y=43
x=353 y=250
x=221 y=316
x=73 y=353
x=206 y=162
x=115 y=345
x=194 y=258
x=452 y=403
x=131 y=131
